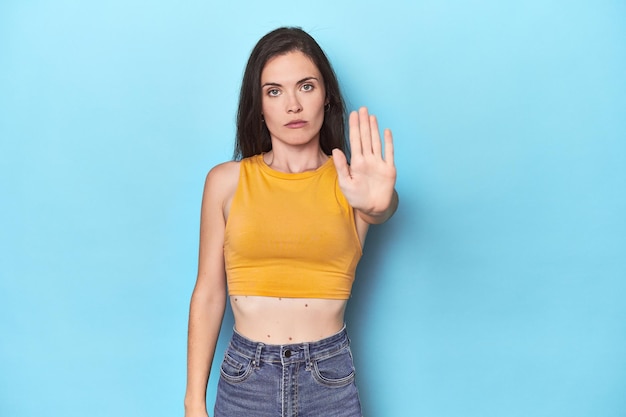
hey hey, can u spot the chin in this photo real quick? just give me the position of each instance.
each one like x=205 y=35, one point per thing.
x=299 y=140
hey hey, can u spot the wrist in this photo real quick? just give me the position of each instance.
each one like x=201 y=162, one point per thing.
x=194 y=403
x=382 y=214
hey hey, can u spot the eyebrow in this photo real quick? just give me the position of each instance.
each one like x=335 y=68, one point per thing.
x=271 y=84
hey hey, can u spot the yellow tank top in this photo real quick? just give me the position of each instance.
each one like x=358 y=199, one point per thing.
x=290 y=235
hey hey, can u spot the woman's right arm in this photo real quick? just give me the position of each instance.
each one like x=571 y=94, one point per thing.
x=208 y=300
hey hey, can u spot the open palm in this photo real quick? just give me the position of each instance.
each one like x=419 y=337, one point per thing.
x=368 y=181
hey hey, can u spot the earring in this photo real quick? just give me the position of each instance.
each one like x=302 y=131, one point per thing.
x=327 y=107
x=262 y=119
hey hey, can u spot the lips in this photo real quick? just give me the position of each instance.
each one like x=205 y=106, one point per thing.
x=296 y=124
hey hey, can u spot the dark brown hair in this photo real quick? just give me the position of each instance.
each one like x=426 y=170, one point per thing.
x=253 y=137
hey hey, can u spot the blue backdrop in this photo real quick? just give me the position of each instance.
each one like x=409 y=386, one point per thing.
x=496 y=290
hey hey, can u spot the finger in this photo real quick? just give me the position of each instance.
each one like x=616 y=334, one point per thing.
x=376 y=142
x=355 y=134
x=389 y=147
x=364 y=127
x=341 y=164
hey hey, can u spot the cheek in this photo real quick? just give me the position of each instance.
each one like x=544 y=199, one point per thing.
x=268 y=108
x=320 y=107
x=264 y=105
x=271 y=115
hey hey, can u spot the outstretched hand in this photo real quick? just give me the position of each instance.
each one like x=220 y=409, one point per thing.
x=368 y=182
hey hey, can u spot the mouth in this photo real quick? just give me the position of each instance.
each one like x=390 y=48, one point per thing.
x=296 y=124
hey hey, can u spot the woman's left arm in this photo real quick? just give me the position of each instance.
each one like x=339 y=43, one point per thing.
x=368 y=182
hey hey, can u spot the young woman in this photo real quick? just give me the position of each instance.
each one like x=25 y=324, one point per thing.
x=282 y=229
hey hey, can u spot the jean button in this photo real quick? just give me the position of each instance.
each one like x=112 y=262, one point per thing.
x=287 y=353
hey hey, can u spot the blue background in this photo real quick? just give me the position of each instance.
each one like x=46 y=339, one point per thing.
x=498 y=289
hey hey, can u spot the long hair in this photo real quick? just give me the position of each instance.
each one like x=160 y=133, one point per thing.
x=253 y=136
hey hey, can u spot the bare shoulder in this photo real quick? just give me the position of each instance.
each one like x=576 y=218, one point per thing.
x=221 y=183
x=226 y=172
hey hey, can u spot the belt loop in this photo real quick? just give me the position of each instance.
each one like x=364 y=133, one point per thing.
x=257 y=355
x=307 y=356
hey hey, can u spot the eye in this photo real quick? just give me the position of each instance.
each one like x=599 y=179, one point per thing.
x=307 y=87
x=273 y=92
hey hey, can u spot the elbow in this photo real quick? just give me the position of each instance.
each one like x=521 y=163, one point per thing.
x=209 y=296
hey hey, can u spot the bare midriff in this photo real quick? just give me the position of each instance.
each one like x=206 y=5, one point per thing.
x=281 y=321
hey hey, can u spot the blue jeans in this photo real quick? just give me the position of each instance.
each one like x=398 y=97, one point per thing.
x=313 y=379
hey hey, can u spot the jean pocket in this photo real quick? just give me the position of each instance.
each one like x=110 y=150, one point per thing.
x=336 y=370
x=235 y=368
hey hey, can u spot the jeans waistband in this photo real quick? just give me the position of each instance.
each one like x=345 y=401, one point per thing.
x=260 y=352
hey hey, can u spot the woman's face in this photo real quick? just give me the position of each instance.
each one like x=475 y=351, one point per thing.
x=293 y=99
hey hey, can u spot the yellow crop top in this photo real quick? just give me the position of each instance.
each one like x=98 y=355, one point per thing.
x=290 y=235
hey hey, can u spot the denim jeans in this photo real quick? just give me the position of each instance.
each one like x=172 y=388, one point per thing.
x=313 y=379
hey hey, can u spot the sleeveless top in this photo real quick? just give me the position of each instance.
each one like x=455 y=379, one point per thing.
x=290 y=234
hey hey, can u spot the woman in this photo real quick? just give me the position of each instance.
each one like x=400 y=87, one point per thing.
x=282 y=228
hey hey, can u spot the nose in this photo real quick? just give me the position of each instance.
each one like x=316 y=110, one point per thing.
x=293 y=104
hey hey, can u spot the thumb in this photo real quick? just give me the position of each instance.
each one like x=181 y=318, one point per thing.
x=341 y=164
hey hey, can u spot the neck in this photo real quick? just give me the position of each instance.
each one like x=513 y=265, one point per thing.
x=293 y=161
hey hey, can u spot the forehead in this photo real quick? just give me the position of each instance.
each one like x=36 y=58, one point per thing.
x=290 y=67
